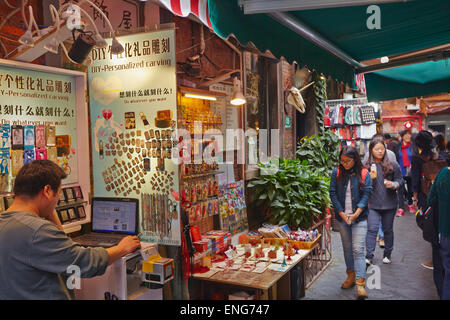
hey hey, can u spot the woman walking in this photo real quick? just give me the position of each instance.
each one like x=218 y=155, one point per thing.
x=404 y=160
x=386 y=179
x=350 y=189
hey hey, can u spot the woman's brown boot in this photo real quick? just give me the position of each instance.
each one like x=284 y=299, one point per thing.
x=360 y=289
x=350 y=281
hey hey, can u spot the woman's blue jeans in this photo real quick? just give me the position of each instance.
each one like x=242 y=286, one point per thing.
x=354 y=244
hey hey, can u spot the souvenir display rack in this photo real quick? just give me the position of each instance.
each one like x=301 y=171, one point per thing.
x=353 y=120
x=199 y=188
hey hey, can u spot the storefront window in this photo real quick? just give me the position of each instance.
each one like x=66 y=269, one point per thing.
x=261 y=109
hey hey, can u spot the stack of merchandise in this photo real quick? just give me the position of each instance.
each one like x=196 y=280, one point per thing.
x=233 y=210
x=355 y=124
x=220 y=240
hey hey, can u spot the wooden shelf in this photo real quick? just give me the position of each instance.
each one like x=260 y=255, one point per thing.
x=200 y=175
x=71 y=204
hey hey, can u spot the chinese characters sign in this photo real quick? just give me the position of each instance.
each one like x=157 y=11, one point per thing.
x=123 y=14
x=38 y=114
x=133 y=113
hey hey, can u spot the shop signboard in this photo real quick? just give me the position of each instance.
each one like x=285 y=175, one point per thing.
x=38 y=120
x=123 y=14
x=133 y=107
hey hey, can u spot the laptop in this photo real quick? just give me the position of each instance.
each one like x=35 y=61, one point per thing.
x=112 y=219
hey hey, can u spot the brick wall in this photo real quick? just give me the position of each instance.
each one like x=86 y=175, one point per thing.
x=393 y=109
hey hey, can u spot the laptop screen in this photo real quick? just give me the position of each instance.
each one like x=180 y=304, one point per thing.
x=118 y=215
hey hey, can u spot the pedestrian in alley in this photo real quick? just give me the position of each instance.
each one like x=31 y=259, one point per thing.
x=423 y=153
x=386 y=179
x=404 y=160
x=350 y=189
x=440 y=195
x=441 y=147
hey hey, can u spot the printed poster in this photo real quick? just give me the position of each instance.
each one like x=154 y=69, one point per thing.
x=38 y=116
x=133 y=113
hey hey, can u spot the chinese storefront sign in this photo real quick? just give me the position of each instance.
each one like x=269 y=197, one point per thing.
x=133 y=114
x=38 y=121
x=123 y=14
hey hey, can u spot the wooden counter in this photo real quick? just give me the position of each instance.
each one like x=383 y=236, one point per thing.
x=269 y=284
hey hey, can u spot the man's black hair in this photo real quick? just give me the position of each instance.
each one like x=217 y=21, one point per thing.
x=34 y=176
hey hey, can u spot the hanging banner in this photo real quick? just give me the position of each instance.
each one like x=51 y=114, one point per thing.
x=38 y=121
x=133 y=113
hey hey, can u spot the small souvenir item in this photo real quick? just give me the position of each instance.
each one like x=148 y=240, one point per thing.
x=17 y=137
x=6 y=135
x=41 y=153
x=28 y=156
x=71 y=212
x=163 y=118
x=130 y=120
x=4 y=161
x=147 y=166
x=51 y=135
x=78 y=193
x=29 y=136
x=16 y=161
x=69 y=194
x=81 y=212
x=64 y=216
x=367 y=114
x=144 y=120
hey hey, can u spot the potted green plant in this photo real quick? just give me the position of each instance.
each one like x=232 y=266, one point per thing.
x=294 y=193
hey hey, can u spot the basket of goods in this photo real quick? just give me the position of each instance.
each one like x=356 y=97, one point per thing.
x=274 y=235
x=304 y=240
x=254 y=237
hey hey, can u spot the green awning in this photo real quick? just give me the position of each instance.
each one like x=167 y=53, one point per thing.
x=409 y=81
x=267 y=34
x=405 y=27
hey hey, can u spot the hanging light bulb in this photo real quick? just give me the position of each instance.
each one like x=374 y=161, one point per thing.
x=116 y=47
x=238 y=97
x=52 y=46
x=99 y=41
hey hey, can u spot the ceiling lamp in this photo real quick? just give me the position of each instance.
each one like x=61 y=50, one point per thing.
x=238 y=98
x=200 y=96
x=116 y=47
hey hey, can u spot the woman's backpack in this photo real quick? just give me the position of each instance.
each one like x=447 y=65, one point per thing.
x=430 y=170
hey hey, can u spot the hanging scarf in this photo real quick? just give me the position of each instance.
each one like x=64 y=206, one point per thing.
x=405 y=158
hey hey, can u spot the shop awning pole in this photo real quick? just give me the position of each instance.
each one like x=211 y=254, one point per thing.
x=305 y=31
x=424 y=57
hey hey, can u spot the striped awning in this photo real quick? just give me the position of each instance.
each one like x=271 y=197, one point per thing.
x=183 y=8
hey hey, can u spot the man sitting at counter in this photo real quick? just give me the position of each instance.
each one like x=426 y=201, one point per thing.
x=34 y=250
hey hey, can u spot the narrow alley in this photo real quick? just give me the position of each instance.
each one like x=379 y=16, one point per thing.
x=403 y=279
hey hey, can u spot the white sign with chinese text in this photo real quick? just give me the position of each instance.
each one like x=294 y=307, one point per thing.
x=133 y=114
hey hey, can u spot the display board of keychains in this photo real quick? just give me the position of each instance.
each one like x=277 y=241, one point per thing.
x=134 y=116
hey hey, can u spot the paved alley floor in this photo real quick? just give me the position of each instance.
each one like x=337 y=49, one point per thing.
x=403 y=279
